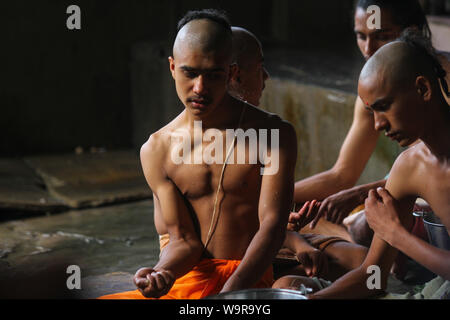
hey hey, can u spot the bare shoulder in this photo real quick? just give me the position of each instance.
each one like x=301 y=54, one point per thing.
x=261 y=119
x=154 y=151
x=155 y=145
x=159 y=142
x=406 y=171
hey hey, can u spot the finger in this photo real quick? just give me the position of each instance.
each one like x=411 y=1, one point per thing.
x=316 y=219
x=335 y=216
x=384 y=194
x=141 y=283
x=304 y=208
x=159 y=279
x=168 y=277
x=322 y=209
x=310 y=213
x=294 y=217
x=341 y=217
x=152 y=281
x=142 y=272
x=371 y=197
x=291 y=227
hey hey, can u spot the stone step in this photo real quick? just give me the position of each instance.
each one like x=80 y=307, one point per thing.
x=92 y=179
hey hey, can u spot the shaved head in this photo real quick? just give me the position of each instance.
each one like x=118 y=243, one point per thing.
x=397 y=65
x=204 y=35
x=245 y=45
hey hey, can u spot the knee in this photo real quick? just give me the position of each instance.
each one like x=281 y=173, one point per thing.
x=283 y=282
x=294 y=283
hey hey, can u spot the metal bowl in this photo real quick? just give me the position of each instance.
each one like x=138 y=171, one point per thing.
x=437 y=232
x=262 y=294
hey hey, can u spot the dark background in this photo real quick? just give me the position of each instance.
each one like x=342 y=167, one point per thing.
x=65 y=88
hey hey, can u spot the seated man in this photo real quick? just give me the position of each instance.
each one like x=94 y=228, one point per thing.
x=246 y=84
x=225 y=222
x=400 y=84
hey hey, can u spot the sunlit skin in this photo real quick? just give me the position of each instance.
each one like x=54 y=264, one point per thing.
x=383 y=102
x=245 y=80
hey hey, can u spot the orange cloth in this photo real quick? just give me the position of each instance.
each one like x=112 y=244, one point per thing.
x=163 y=242
x=205 y=279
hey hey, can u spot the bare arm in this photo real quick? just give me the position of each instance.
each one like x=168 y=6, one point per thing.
x=185 y=248
x=381 y=254
x=434 y=259
x=273 y=210
x=338 y=206
x=356 y=150
x=385 y=221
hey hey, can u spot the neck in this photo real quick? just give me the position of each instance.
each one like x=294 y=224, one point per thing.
x=222 y=117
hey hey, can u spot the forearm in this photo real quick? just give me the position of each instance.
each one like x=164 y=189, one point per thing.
x=320 y=186
x=431 y=257
x=362 y=191
x=180 y=256
x=353 y=285
x=295 y=242
x=257 y=259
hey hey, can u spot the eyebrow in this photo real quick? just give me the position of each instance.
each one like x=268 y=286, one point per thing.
x=379 y=102
x=190 y=69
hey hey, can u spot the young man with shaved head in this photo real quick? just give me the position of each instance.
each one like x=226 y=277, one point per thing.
x=401 y=85
x=224 y=220
x=246 y=84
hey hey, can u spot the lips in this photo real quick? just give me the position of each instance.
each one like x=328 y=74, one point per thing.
x=199 y=102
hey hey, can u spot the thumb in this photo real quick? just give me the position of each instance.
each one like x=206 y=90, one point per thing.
x=384 y=194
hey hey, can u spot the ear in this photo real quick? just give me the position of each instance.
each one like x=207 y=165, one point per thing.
x=423 y=87
x=172 y=66
x=234 y=73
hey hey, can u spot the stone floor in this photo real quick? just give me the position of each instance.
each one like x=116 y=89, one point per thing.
x=50 y=218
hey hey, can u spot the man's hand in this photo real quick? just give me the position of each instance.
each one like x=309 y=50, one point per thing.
x=338 y=206
x=314 y=261
x=152 y=283
x=297 y=220
x=382 y=214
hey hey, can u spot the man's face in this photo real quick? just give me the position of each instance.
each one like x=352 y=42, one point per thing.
x=200 y=78
x=397 y=112
x=370 y=40
x=253 y=76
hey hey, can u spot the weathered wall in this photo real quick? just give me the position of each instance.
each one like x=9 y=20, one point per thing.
x=322 y=118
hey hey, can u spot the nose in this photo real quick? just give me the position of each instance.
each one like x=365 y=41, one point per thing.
x=381 y=122
x=369 y=48
x=199 y=85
